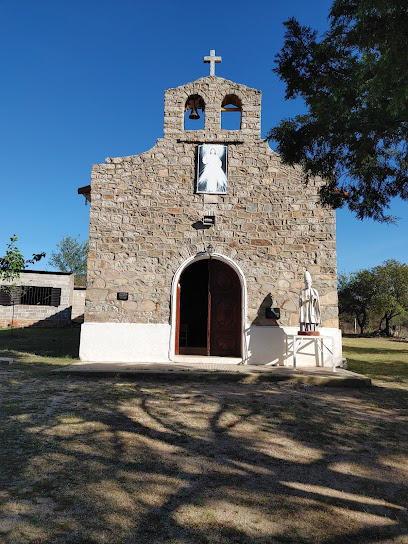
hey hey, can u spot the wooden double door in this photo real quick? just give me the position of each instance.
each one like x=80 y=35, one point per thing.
x=209 y=303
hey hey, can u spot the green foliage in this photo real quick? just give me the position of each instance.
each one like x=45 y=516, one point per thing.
x=356 y=293
x=71 y=255
x=354 y=83
x=379 y=295
x=13 y=261
x=391 y=300
x=80 y=280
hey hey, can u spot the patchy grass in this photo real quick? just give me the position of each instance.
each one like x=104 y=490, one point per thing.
x=87 y=461
x=56 y=343
x=379 y=358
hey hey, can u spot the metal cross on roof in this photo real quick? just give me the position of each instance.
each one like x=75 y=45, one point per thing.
x=212 y=59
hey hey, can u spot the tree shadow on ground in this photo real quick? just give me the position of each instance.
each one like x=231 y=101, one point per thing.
x=111 y=461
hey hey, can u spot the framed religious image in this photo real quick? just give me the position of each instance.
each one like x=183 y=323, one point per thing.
x=212 y=163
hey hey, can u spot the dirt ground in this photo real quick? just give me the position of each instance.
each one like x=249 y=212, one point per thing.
x=89 y=461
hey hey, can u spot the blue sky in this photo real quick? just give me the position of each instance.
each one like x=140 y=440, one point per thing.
x=84 y=79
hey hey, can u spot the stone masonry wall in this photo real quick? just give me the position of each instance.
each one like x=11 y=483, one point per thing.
x=40 y=316
x=144 y=216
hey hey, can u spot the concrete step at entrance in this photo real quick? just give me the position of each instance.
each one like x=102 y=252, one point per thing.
x=217 y=372
x=206 y=360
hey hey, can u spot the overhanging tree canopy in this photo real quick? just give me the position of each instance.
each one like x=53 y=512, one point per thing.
x=354 y=82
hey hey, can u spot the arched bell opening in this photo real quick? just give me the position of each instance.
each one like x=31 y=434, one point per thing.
x=209 y=313
x=231 y=113
x=194 y=117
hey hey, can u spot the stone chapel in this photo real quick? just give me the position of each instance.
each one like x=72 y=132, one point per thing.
x=198 y=246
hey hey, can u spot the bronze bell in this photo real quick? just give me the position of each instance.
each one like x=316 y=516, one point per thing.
x=194 y=113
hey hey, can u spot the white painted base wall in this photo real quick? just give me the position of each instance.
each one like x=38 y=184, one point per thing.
x=124 y=342
x=149 y=343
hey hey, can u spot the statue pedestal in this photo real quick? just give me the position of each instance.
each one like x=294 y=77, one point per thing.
x=295 y=342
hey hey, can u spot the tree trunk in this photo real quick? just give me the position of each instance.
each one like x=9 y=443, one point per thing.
x=361 y=323
x=387 y=326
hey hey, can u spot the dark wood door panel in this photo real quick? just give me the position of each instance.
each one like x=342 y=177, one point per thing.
x=225 y=324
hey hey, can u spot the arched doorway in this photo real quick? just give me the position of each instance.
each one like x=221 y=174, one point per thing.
x=208 y=310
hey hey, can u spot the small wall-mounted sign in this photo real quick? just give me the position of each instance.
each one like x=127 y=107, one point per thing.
x=122 y=296
x=209 y=220
x=272 y=313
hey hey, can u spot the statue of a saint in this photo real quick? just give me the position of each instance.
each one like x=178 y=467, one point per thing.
x=309 y=308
